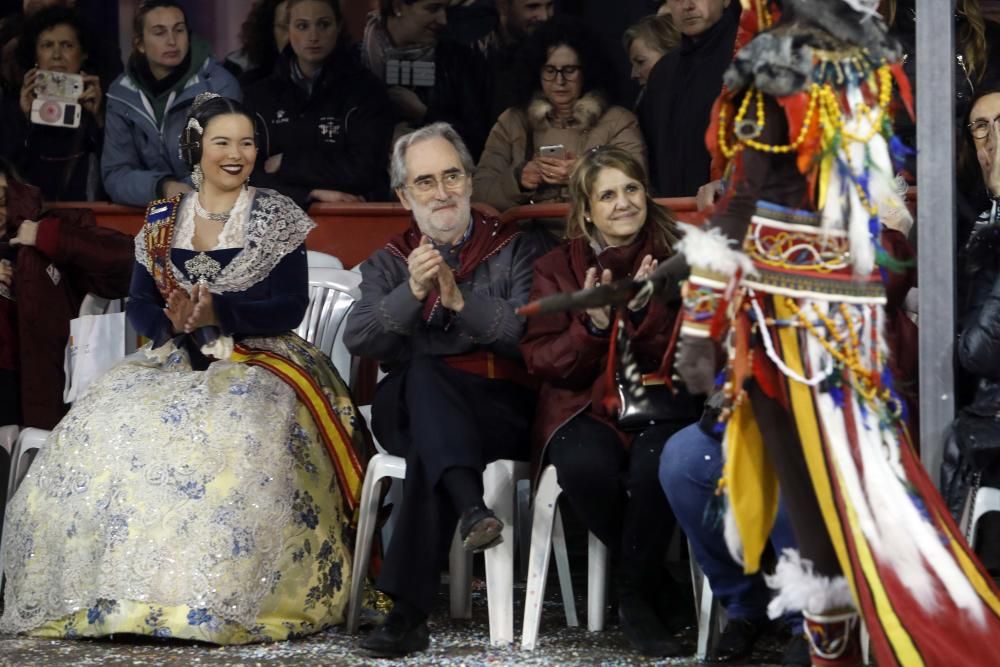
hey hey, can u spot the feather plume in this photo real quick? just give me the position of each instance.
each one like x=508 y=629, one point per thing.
x=801 y=589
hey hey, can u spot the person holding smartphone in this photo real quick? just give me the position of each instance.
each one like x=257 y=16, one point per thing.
x=563 y=112
x=57 y=153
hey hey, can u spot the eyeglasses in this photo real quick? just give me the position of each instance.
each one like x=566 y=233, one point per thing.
x=980 y=129
x=452 y=181
x=569 y=72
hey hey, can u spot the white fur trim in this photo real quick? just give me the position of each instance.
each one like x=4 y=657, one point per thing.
x=801 y=589
x=713 y=251
x=587 y=111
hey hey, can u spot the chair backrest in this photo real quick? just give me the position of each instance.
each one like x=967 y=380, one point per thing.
x=321 y=260
x=332 y=293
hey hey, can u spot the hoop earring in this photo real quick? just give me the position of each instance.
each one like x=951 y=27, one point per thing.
x=197 y=177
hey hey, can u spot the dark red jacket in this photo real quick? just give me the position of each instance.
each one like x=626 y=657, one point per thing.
x=72 y=256
x=570 y=360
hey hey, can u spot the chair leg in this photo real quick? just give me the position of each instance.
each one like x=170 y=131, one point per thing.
x=866 y=645
x=522 y=525
x=460 y=578
x=499 y=483
x=562 y=568
x=538 y=560
x=597 y=582
x=363 y=540
x=708 y=614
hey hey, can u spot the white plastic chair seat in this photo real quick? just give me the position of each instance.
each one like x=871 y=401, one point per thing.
x=987 y=500
x=547 y=536
x=332 y=293
x=706 y=609
x=28 y=441
x=499 y=483
x=321 y=260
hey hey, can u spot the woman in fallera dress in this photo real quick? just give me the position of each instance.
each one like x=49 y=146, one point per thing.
x=203 y=488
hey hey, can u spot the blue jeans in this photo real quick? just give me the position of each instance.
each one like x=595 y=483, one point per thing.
x=690 y=467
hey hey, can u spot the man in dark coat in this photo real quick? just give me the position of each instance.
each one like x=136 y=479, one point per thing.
x=437 y=310
x=681 y=90
x=56 y=259
x=332 y=131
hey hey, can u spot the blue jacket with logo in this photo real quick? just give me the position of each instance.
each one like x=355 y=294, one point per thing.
x=138 y=151
x=334 y=137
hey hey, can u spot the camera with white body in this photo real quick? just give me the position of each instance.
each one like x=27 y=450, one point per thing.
x=56 y=99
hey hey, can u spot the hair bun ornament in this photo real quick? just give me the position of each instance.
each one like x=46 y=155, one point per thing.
x=201 y=98
x=193 y=124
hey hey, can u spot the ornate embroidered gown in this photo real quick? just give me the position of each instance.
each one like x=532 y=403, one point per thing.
x=210 y=504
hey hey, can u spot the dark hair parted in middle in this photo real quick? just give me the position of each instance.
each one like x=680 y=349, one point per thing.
x=203 y=112
x=334 y=7
x=47 y=19
x=556 y=32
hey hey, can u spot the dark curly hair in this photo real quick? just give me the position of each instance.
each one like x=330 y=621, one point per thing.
x=257 y=34
x=561 y=31
x=204 y=112
x=47 y=19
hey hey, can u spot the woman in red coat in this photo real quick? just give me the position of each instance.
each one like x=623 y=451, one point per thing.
x=615 y=231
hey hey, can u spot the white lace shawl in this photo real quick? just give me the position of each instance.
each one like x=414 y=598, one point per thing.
x=270 y=228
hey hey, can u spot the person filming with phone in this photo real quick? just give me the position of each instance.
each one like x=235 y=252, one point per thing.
x=563 y=112
x=54 y=130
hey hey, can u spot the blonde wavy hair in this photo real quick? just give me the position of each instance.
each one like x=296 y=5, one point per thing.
x=662 y=224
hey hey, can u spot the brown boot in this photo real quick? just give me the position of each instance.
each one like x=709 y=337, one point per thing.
x=834 y=638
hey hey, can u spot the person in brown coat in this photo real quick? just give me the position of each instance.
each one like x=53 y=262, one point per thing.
x=608 y=476
x=51 y=260
x=563 y=109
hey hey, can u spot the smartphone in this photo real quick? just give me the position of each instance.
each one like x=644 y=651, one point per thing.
x=554 y=150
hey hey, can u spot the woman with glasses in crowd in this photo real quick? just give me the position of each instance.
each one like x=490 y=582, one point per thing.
x=972 y=456
x=563 y=112
x=608 y=475
x=326 y=121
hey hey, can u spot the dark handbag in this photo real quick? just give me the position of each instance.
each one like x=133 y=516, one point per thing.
x=644 y=400
x=978 y=438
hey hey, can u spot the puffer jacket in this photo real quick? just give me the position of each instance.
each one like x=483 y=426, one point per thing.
x=519 y=133
x=139 y=153
x=978 y=355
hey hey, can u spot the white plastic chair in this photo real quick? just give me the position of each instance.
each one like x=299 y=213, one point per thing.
x=499 y=484
x=332 y=293
x=987 y=500
x=321 y=260
x=706 y=609
x=29 y=441
x=547 y=536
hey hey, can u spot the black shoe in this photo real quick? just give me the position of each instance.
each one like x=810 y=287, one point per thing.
x=737 y=640
x=643 y=628
x=480 y=529
x=396 y=637
x=796 y=652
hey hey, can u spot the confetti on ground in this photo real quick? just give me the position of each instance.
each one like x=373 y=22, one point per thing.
x=454 y=643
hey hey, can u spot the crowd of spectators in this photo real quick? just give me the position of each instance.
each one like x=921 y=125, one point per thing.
x=502 y=103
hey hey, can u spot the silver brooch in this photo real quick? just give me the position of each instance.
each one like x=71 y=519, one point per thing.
x=202 y=268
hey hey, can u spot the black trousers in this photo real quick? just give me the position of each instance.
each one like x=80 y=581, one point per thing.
x=617 y=494
x=437 y=418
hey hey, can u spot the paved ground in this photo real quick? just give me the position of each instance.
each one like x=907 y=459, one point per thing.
x=452 y=643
